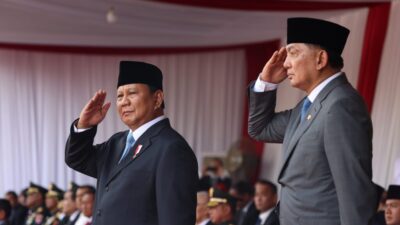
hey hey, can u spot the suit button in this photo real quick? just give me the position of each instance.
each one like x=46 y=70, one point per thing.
x=107 y=188
x=99 y=212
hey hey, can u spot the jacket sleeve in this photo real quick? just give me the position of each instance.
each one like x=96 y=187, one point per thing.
x=80 y=154
x=348 y=146
x=176 y=185
x=263 y=123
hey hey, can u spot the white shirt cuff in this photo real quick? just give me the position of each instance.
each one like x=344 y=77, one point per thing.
x=80 y=130
x=262 y=86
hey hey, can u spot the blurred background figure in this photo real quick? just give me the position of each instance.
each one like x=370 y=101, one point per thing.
x=246 y=212
x=379 y=217
x=86 y=206
x=35 y=202
x=265 y=199
x=18 y=211
x=53 y=200
x=70 y=210
x=5 y=211
x=81 y=190
x=216 y=175
x=202 y=215
x=222 y=207
x=22 y=197
x=392 y=211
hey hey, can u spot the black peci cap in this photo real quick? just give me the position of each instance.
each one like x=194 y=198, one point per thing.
x=132 y=72
x=393 y=192
x=329 y=35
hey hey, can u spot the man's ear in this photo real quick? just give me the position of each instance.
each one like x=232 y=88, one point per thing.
x=159 y=98
x=322 y=59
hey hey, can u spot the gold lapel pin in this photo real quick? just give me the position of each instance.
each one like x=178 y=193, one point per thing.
x=309 y=117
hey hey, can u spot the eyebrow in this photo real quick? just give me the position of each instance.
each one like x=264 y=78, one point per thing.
x=290 y=47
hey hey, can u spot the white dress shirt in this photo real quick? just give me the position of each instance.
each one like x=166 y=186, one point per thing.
x=264 y=215
x=83 y=220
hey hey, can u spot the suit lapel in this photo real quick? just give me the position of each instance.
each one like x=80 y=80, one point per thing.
x=309 y=118
x=272 y=219
x=140 y=146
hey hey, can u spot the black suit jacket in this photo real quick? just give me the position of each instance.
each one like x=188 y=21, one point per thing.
x=272 y=219
x=18 y=215
x=249 y=217
x=156 y=186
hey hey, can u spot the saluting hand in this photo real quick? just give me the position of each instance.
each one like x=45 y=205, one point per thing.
x=94 y=111
x=273 y=71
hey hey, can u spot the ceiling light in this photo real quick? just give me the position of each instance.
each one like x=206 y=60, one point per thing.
x=111 y=17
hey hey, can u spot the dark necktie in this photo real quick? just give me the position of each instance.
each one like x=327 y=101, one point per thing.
x=258 y=221
x=304 y=109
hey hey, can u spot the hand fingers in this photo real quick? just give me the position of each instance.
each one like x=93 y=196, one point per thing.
x=99 y=98
x=105 y=108
x=97 y=101
x=281 y=54
x=274 y=57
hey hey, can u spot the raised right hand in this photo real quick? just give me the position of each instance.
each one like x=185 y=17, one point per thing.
x=273 y=71
x=94 y=111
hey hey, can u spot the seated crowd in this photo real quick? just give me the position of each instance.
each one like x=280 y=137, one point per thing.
x=218 y=203
x=245 y=204
x=37 y=205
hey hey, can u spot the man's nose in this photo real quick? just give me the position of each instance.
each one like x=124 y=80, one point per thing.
x=286 y=63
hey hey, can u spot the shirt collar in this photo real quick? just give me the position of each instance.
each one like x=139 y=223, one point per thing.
x=139 y=131
x=204 y=222
x=314 y=93
x=264 y=215
x=247 y=206
x=74 y=215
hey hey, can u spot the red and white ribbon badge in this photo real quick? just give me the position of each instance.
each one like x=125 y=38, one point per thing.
x=137 y=150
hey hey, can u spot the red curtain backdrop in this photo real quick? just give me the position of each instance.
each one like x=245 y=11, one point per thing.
x=256 y=57
x=374 y=38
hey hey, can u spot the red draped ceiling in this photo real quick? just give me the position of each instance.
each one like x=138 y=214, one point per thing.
x=258 y=53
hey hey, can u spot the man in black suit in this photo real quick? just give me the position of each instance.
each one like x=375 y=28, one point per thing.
x=145 y=175
x=246 y=214
x=18 y=211
x=5 y=211
x=265 y=199
x=70 y=209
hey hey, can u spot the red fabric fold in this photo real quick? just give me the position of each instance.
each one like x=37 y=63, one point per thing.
x=374 y=39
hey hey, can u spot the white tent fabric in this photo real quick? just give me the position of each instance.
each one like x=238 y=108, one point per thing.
x=42 y=93
x=386 y=109
x=140 y=23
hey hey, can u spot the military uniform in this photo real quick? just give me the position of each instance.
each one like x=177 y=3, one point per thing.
x=218 y=197
x=55 y=214
x=38 y=214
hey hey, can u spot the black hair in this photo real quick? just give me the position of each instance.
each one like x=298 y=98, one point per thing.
x=244 y=187
x=89 y=189
x=153 y=90
x=13 y=194
x=268 y=183
x=334 y=60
